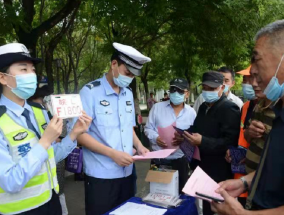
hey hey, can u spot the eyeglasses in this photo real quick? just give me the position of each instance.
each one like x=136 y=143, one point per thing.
x=175 y=89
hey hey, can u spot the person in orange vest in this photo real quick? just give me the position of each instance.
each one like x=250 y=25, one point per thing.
x=246 y=114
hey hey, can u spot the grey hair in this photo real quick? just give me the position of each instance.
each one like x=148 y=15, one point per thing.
x=273 y=31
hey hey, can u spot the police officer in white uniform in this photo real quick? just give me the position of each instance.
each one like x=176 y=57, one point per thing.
x=108 y=144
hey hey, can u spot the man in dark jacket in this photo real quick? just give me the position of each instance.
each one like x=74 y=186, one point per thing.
x=215 y=128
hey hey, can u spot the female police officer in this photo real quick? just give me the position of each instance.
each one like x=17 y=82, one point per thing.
x=28 y=181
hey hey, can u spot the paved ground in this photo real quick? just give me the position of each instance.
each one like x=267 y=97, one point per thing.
x=74 y=190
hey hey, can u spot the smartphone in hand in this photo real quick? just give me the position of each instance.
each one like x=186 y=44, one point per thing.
x=180 y=131
x=209 y=197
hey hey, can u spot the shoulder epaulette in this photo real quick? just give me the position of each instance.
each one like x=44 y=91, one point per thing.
x=129 y=88
x=93 y=84
x=37 y=105
x=3 y=110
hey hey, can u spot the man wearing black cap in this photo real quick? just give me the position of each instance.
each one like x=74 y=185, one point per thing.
x=166 y=114
x=229 y=82
x=215 y=128
x=108 y=144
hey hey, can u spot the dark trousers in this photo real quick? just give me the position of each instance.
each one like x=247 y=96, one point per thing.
x=102 y=195
x=52 y=207
x=180 y=164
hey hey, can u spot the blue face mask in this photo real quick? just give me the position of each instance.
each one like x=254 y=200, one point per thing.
x=274 y=90
x=248 y=91
x=210 y=96
x=226 y=88
x=176 y=98
x=26 y=85
x=122 y=80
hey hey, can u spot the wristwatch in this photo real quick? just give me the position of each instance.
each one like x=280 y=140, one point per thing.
x=245 y=183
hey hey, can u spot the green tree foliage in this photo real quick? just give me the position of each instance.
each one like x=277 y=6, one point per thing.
x=183 y=38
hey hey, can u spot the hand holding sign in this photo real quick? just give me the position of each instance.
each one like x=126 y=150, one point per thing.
x=66 y=106
x=82 y=124
x=52 y=132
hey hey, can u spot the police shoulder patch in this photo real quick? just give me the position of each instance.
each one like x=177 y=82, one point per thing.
x=20 y=136
x=93 y=84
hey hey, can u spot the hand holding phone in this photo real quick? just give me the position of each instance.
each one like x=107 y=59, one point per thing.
x=209 y=197
x=180 y=131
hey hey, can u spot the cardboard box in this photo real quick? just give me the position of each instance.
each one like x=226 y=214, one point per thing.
x=163 y=182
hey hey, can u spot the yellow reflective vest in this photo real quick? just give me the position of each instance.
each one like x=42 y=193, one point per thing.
x=38 y=190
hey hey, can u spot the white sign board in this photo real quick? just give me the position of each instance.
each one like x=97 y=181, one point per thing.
x=66 y=105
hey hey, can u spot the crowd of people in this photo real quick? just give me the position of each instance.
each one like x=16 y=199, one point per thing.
x=32 y=141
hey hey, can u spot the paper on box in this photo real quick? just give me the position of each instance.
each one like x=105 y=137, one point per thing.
x=163 y=182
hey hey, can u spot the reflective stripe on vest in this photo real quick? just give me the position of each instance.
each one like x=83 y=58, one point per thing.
x=38 y=189
x=242 y=141
x=42 y=125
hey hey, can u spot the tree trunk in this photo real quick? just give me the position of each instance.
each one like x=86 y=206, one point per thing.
x=75 y=81
x=49 y=69
x=133 y=86
x=146 y=88
x=30 y=37
x=187 y=75
x=145 y=81
x=52 y=45
x=66 y=75
x=30 y=41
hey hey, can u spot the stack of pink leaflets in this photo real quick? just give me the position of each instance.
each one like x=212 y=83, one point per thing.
x=200 y=182
x=156 y=154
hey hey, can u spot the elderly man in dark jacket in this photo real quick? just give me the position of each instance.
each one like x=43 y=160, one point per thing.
x=215 y=128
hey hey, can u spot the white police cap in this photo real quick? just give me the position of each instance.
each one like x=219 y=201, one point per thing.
x=15 y=52
x=132 y=58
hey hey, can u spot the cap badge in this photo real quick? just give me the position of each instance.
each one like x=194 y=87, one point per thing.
x=24 y=48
